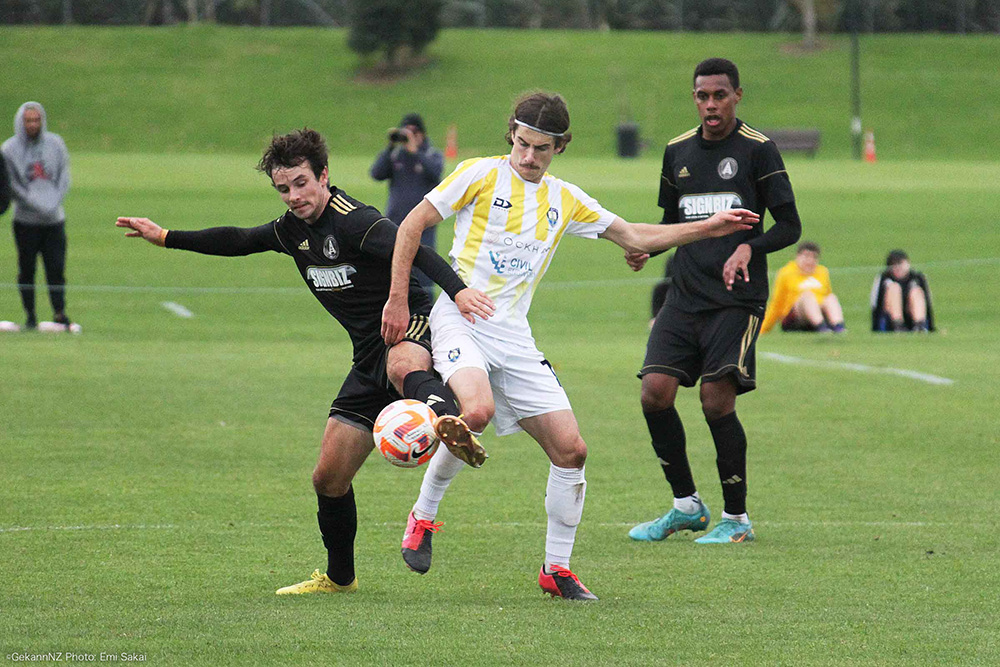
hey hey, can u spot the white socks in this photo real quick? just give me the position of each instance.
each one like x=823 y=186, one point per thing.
x=742 y=518
x=564 y=495
x=441 y=470
x=688 y=504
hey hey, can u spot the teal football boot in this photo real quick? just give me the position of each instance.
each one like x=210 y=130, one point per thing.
x=670 y=523
x=727 y=531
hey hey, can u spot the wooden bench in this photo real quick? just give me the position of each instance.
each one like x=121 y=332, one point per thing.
x=799 y=140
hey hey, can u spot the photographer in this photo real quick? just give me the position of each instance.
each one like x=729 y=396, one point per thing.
x=413 y=167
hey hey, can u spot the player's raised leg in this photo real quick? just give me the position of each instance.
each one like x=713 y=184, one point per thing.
x=408 y=368
x=345 y=447
x=666 y=431
x=472 y=387
x=559 y=435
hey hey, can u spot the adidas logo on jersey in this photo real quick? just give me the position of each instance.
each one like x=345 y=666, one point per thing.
x=304 y=246
x=683 y=173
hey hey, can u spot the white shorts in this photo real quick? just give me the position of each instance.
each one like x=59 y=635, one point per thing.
x=523 y=382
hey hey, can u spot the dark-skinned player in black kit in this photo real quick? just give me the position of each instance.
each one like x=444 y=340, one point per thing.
x=708 y=327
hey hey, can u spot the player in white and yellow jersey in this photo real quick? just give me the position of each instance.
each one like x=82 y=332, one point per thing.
x=510 y=216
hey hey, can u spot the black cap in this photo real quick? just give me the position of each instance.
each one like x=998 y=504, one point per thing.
x=895 y=257
x=415 y=120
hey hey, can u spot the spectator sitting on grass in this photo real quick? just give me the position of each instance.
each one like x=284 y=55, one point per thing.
x=803 y=299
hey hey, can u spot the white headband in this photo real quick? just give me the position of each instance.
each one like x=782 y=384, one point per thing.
x=538 y=129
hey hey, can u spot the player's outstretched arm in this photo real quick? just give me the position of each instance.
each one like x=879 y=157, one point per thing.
x=143 y=228
x=396 y=313
x=644 y=238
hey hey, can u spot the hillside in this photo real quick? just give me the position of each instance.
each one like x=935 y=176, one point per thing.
x=215 y=89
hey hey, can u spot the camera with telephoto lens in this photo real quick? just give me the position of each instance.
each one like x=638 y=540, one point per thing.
x=397 y=136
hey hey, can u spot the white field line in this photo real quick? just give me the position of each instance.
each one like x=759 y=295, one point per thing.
x=488 y=524
x=859 y=368
x=648 y=278
x=177 y=309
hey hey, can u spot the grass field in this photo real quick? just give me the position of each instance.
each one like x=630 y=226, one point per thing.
x=154 y=472
x=156 y=469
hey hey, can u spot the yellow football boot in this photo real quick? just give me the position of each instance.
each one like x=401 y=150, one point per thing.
x=318 y=583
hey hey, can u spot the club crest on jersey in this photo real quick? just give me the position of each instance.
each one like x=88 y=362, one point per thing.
x=330 y=250
x=331 y=278
x=454 y=354
x=728 y=168
x=553 y=217
x=500 y=202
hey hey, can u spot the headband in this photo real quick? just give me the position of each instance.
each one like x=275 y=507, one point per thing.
x=538 y=129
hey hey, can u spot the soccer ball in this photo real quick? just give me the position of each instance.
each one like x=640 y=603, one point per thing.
x=404 y=433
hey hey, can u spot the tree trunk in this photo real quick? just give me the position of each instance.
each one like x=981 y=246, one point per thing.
x=210 y=11
x=192 y=11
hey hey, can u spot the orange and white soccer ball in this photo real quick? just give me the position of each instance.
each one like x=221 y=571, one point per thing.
x=404 y=433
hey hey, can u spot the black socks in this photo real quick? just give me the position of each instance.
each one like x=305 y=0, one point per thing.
x=731 y=460
x=670 y=445
x=425 y=386
x=338 y=523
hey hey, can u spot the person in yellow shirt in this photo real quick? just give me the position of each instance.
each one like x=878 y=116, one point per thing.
x=802 y=299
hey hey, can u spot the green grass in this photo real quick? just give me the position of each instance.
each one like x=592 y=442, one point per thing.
x=206 y=89
x=156 y=470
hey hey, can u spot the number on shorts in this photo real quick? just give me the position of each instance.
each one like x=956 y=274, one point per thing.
x=545 y=362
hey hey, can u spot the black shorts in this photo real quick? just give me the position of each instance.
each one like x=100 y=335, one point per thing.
x=708 y=345
x=366 y=389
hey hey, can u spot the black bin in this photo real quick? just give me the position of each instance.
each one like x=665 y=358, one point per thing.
x=628 y=140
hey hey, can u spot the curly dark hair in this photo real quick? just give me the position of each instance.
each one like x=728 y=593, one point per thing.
x=546 y=111
x=294 y=149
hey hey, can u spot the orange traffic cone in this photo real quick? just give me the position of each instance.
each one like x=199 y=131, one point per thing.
x=451 y=143
x=869 y=146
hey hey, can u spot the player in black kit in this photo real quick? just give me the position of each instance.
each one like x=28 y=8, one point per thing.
x=708 y=326
x=343 y=249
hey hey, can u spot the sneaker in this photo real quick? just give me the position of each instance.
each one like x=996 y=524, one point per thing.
x=417 y=543
x=563 y=584
x=671 y=522
x=459 y=440
x=318 y=583
x=727 y=531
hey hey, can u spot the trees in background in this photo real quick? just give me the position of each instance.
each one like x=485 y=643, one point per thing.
x=394 y=28
x=806 y=16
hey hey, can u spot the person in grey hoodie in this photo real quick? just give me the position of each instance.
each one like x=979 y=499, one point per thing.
x=38 y=169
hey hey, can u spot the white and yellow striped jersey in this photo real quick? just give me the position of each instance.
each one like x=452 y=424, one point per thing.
x=506 y=231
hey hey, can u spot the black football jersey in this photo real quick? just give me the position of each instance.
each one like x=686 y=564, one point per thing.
x=345 y=258
x=700 y=178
